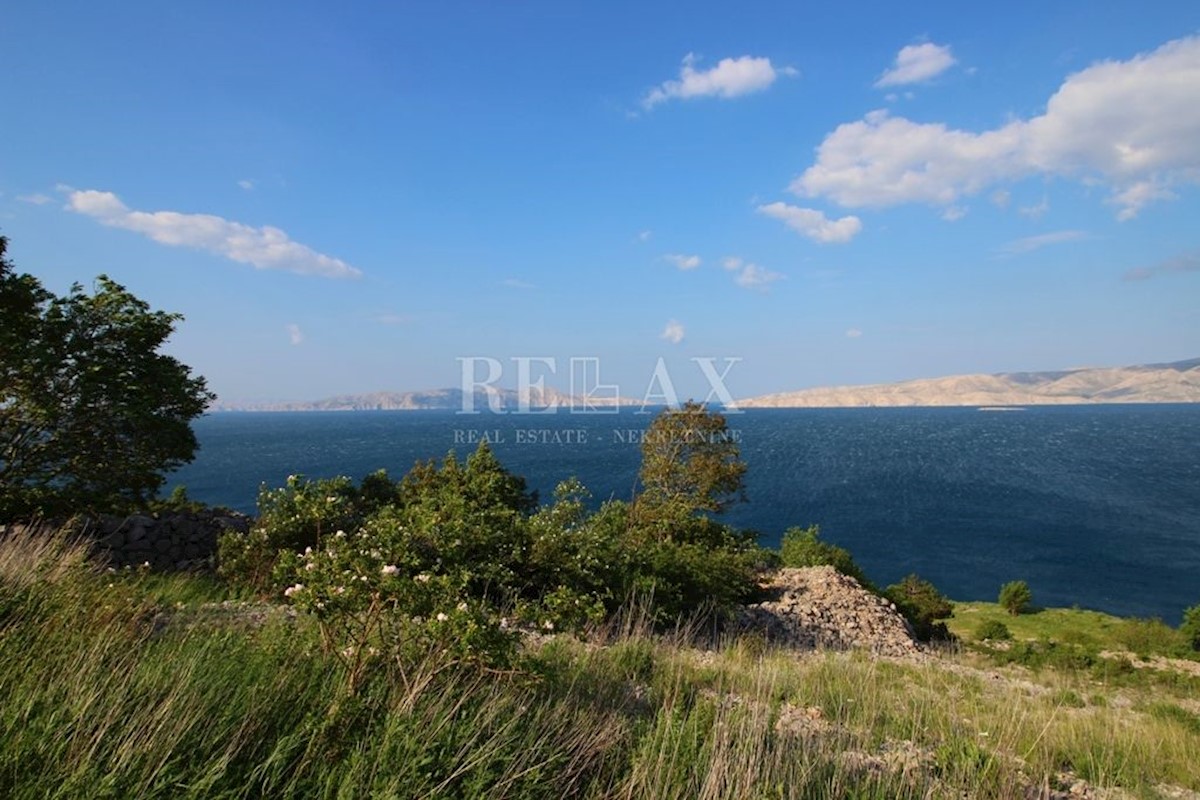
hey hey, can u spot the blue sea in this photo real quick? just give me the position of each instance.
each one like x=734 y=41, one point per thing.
x=1095 y=506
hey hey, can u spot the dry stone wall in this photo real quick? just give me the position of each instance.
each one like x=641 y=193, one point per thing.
x=177 y=541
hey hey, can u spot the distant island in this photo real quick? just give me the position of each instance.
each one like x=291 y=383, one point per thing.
x=1176 y=382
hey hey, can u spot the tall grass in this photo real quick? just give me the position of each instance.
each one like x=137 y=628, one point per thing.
x=125 y=686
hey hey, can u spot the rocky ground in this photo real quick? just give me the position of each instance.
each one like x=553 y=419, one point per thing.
x=820 y=608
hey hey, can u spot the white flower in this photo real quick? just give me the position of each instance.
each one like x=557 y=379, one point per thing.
x=548 y=625
x=504 y=623
x=308 y=551
x=309 y=567
x=292 y=590
x=340 y=590
x=462 y=606
x=422 y=578
x=390 y=569
x=442 y=617
x=340 y=535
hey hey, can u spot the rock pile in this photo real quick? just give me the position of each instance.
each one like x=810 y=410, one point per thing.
x=166 y=542
x=819 y=607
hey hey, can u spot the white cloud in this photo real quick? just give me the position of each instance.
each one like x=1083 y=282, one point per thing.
x=1030 y=243
x=1188 y=262
x=513 y=283
x=37 y=199
x=394 y=319
x=644 y=236
x=246 y=184
x=1134 y=125
x=731 y=77
x=916 y=63
x=813 y=223
x=263 y=248
x=295 y=335
x=1001 y=198
x=673 y=333
x=681 y=261
x=954 y=213
x=853 y=333
x=1035 y=211
x=749 y=275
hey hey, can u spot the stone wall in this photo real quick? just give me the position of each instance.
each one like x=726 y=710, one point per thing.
x=175 y=541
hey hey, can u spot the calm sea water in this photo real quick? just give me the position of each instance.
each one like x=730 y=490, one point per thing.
x=1096 y=506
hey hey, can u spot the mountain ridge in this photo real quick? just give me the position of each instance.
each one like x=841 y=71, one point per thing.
x=1167 y=382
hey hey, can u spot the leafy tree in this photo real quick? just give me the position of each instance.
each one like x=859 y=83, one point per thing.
x=691 y=463
x=1191 y=626
x=91 y=414
x=923 y=606
x=1015 y=597
x=802 y=547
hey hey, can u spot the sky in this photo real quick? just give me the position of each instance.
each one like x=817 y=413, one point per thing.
x=352 y=197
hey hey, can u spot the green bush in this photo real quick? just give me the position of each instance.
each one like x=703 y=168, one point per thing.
x=802 y=547
x=992 y=630
x=1190 y=627
x=290 y=518
x=923 y=606
x=1015 y=597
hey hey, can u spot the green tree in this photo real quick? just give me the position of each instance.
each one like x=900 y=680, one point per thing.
x=91 y=414
x=1190 y=627
x=923 y=606
x=690 y=462
x=1015 y=597
x=803 y=547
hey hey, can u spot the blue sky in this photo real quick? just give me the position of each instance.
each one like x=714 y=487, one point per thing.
x=348 y=198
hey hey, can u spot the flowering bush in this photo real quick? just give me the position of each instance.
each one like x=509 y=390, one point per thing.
x=374 y=608
x=290 y=518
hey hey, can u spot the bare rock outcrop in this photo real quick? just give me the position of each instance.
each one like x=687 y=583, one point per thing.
x=819 y=607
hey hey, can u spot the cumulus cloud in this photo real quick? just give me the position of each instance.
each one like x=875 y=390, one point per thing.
x=916 y=63
x=682 y=261
x=813 y=223
x=954 y=213
x=749 y=275
x=263 y=248
x=853 y=333
x=731 y=77
x=37 y=199
x=246 y=184
x=295 y=335
x=673 y=333
x=1188 y=262
x=1031 y=243
x=1133 y=125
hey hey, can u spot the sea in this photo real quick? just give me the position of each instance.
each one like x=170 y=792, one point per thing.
x=1094 y=506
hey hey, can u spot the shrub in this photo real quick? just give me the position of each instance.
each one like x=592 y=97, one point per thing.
x=291 y=518
x=802 y=547
x=923 y=606
x=1190 y=627
x=1015 y=597
x=992 y=630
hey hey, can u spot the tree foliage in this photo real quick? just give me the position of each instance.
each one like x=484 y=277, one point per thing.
x=923 y=606
x=91 y=414
x=1015 y=597
x=803 y=547
x=1190 y=626
x=690 y=463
